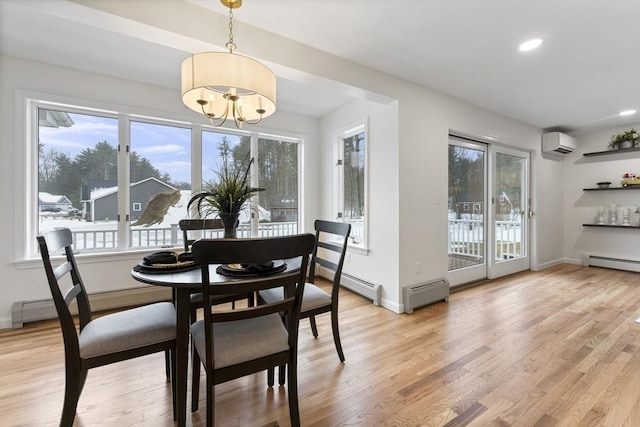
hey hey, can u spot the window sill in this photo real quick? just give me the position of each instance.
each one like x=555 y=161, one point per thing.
x=91 y=258
x=361 y=250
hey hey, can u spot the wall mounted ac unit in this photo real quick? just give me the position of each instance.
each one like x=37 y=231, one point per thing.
x=556 y=142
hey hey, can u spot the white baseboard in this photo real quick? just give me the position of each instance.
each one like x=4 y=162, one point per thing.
x=30 y=311
x=553 y=263
x=616 y=263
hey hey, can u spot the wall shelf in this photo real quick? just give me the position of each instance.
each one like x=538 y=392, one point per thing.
x=619 y=151
x=636 y=227
x=630 y=187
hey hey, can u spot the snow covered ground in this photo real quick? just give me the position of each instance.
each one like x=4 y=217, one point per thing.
x=50 y=220
x=103 y=234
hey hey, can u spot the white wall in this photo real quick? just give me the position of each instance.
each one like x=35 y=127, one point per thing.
x=426 y=117
x=380 y=264
x=581 y=207
x=409 y=187
x=26 y=281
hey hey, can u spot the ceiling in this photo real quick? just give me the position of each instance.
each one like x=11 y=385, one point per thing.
x=585 y=73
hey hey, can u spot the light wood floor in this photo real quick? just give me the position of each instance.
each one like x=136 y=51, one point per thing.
x=557 y=347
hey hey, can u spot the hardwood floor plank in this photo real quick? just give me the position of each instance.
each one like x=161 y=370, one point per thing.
x=633 y=419
x=558 y=347
x=623 y=385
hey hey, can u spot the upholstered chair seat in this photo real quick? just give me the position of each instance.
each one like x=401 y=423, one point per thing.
x=126 y=330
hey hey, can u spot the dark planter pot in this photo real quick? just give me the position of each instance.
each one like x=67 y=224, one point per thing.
x=625 y=144
x=230 y=224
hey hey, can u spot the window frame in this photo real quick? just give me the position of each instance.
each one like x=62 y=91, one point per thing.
x=339 y=136
x=27 y=130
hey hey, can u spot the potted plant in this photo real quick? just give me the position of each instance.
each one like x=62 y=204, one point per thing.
x=626 y=139
x=227 y=195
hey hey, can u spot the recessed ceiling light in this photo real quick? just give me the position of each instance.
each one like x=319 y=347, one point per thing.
x=627 y=112
x=530 y=45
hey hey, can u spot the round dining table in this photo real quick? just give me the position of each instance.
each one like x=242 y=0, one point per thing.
x=184 y=284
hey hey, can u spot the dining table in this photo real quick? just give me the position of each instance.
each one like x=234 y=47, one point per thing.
x=185 y=283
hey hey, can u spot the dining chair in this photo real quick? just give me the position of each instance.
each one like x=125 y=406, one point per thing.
x=194 y=225
x=100 y=340
x=329 y=252
x=235 y=343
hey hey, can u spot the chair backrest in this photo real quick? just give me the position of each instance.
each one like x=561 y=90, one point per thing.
x=293 y=249
x=330 y=250
x=187 y=225
x=52 y=242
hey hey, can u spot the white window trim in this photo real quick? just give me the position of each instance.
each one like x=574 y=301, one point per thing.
x=338 y=179
x=25 y=199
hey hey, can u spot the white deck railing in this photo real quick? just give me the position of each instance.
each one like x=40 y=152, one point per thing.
x=466 y=237
x=168 y=237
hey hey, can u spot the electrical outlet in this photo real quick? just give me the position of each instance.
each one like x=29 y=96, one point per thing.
x=347 y=258
x=418 y=267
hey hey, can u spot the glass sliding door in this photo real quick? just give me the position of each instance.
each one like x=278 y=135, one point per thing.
x=487 y=211
x=466 y=211
x=510 y=211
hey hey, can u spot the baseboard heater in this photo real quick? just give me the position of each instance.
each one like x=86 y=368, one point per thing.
x=424 y=293
x=30 y=311
x=608 y=262
x=372 y=291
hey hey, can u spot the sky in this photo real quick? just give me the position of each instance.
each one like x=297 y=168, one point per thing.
x=168 y=148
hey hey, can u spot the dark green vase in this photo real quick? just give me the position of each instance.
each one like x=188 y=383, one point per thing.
x=230 y=224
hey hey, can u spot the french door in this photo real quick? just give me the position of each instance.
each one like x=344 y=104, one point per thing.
x=510 y=211
x=487 y=211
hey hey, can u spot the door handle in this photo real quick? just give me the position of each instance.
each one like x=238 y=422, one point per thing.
x=530 y=213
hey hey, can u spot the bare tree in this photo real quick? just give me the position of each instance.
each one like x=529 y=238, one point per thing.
x=48 y=167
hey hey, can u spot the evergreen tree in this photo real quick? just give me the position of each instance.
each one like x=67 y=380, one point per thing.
x=98 y=163
x=68 y=181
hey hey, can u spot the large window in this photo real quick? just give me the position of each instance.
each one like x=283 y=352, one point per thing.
x=77 y=166
x=122 y=182
x=274 y=212
x=278 y=175
x=351 y=182
x=159 y=180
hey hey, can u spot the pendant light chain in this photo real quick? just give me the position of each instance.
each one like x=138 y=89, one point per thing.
x=230 y=44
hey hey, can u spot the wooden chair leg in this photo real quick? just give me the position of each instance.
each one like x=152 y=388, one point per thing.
x=281 y=374
x=314 y=328
x=173 y=383
x=167 y=355
x=72 y=390
x=195 y=379
x=83 y=379
x=336 y=334
x=167 y=364
x=211 y=401
x=270 y=376
x=292 y=390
